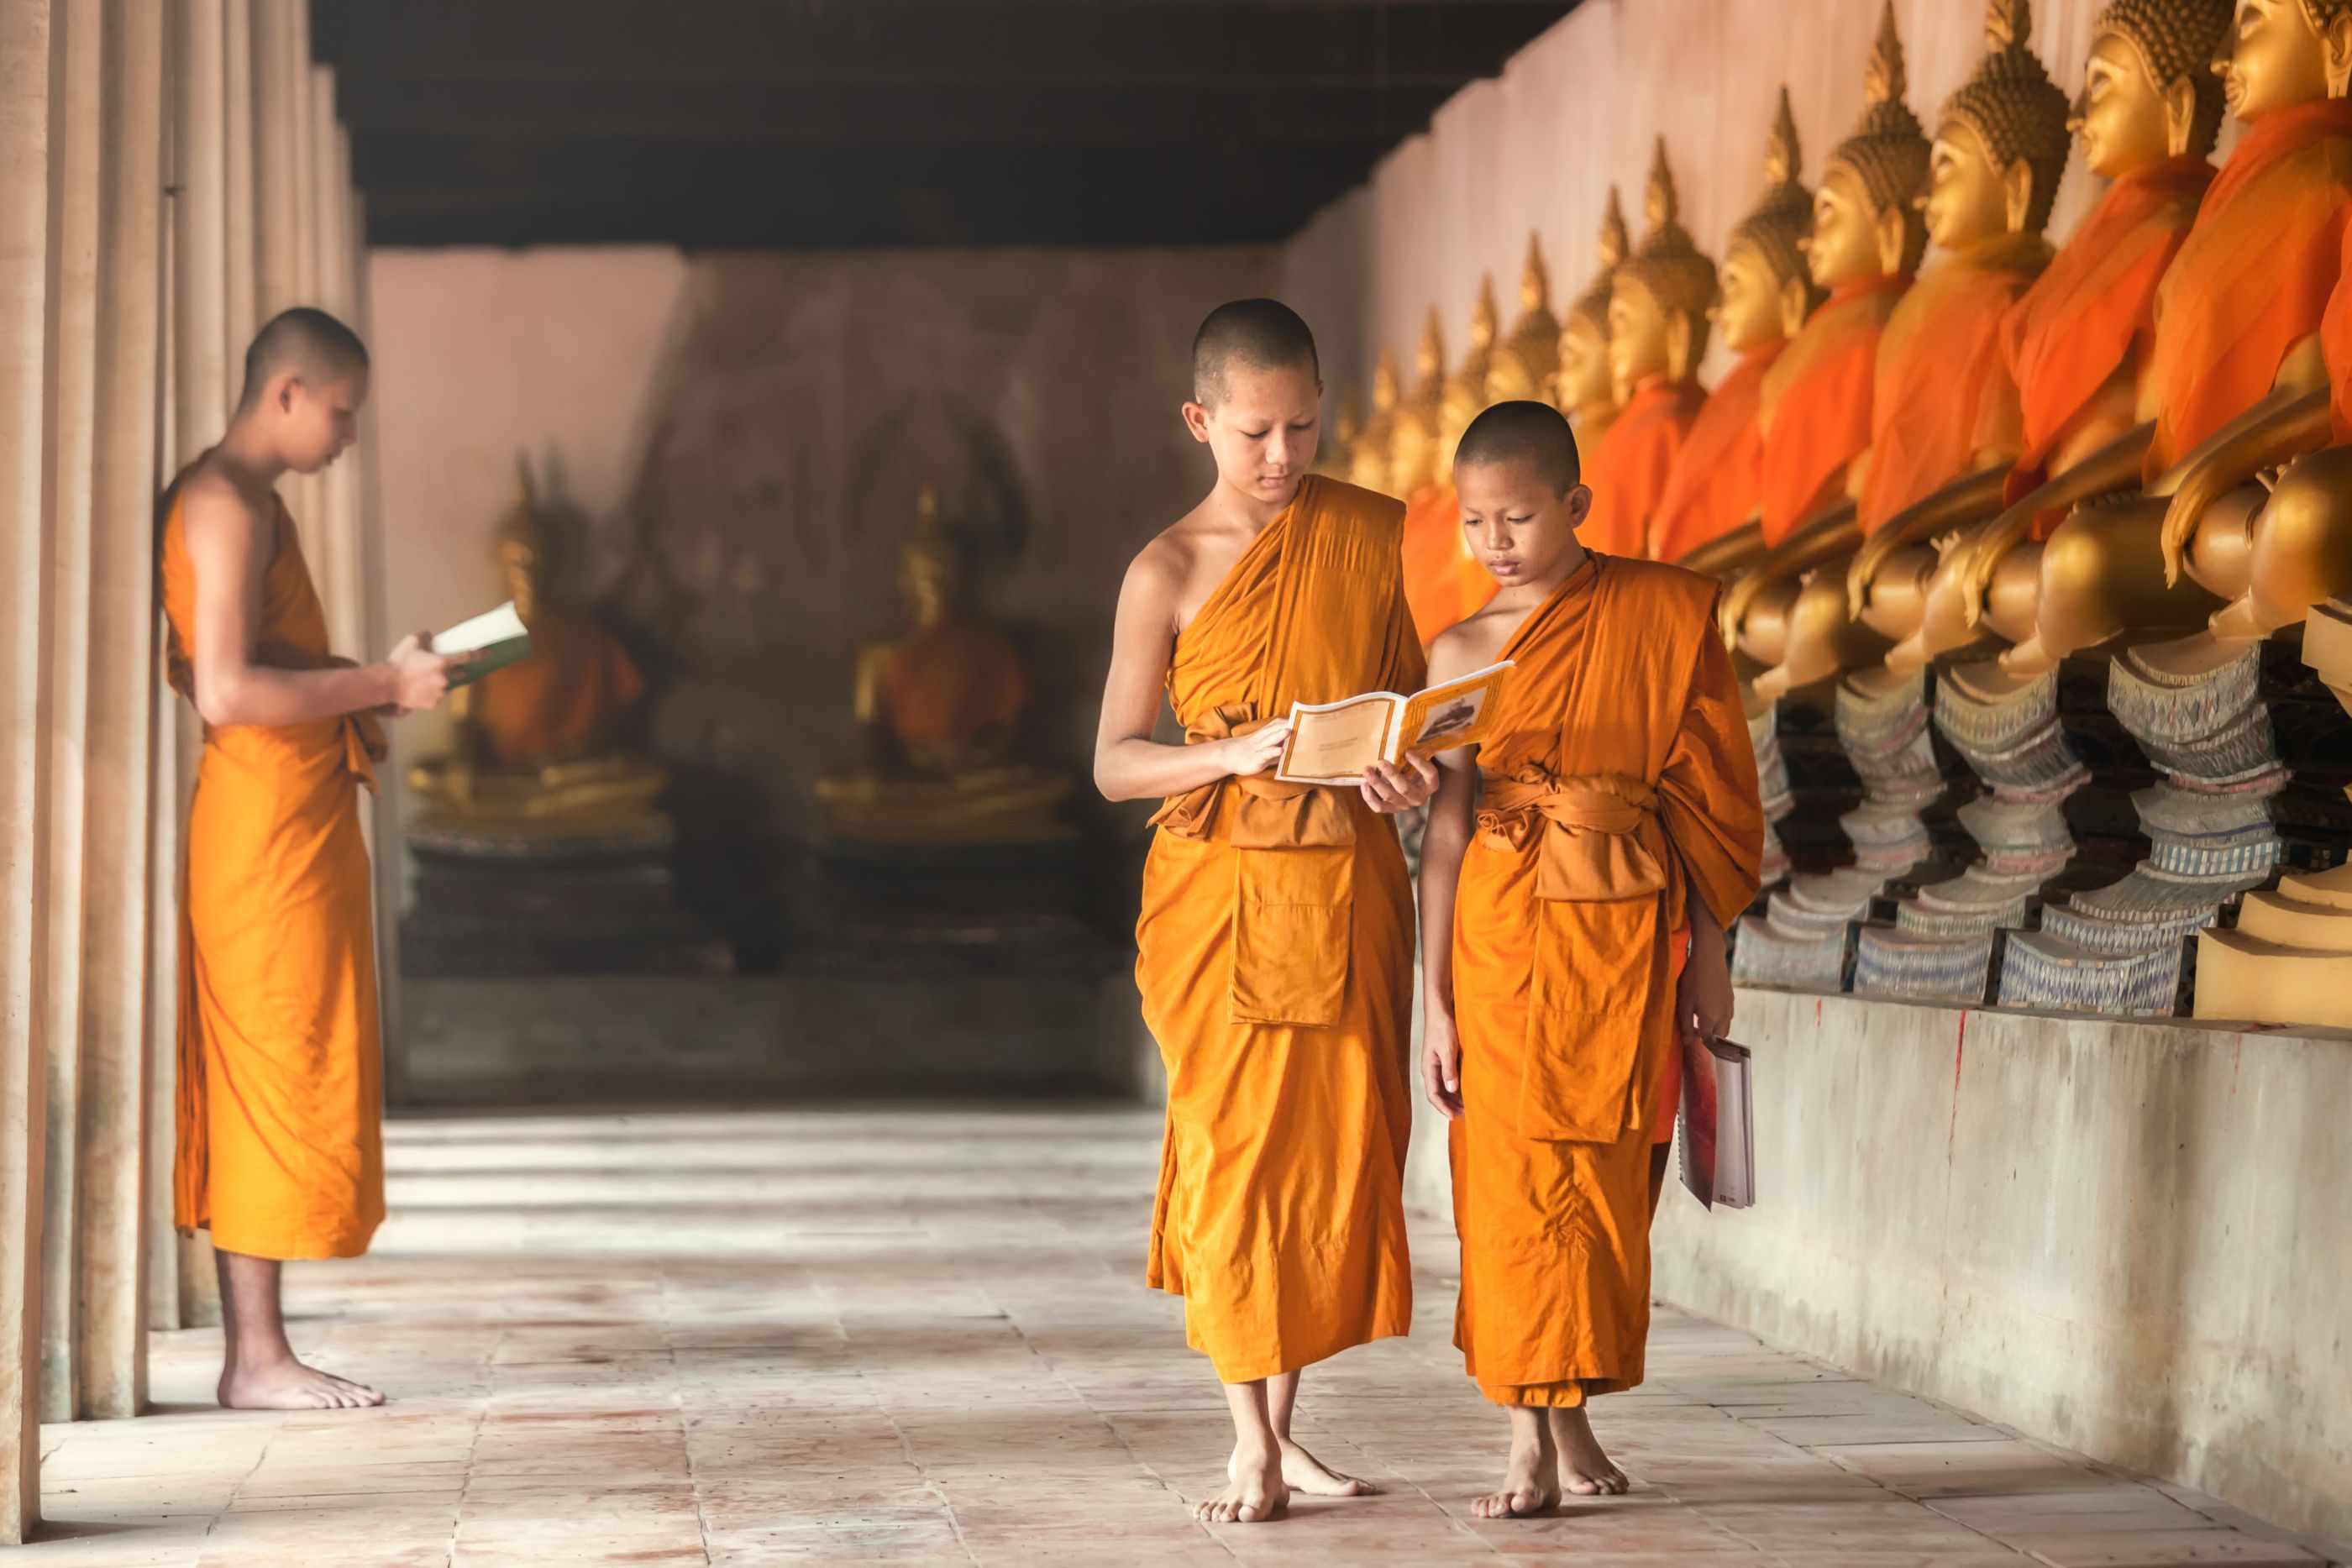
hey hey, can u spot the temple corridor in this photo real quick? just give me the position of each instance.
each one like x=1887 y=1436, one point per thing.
x=917 y=1337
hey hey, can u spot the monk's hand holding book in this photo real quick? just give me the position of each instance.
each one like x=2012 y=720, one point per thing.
x=1388 y=739
x=1252 y=752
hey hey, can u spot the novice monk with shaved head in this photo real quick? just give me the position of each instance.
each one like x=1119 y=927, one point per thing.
x=279 y=1148
x=1276 y=942
x=1600 y=842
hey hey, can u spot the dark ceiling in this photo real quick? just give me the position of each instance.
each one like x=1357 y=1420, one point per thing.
x=784 y=124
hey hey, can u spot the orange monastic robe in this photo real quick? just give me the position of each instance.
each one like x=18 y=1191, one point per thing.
x=1939 y=367
x=280 y=1135
x=1628 y=470
x=948 y=684
x=1275 y=955
x=2254 y=275
x=1443 y=584
x=1621 y=784
x=1814 y=407
x=2336 y=341
x=1719 y=475
x=576 y=679
x=2092 y=313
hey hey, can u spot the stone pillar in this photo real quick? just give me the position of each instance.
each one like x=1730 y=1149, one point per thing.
x=239 y=198
x=284 y=264
x=73 y=412
x=335 y=290
x=30 y=69
x=111 y=1359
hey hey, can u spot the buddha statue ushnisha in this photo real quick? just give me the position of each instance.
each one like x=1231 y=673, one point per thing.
x=2075 y=345
x=1584 y=388
x=1368 y=457
x=536 y=742
x=937 y=710
x=1657 y=334
x=1815 y=404
x=1707 y=519
x=2238 y=344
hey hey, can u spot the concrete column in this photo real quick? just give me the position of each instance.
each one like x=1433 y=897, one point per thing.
x=73 y=413
x=31 y=71
x=284 y=267
x=334 y=291
x=111 y=1361
x=239 y=197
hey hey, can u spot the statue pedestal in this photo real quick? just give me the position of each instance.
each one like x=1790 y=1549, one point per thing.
x=550 y=898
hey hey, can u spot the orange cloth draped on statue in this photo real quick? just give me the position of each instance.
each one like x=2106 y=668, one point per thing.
x=1627 y=472
x=2254 y=275
x=1443 y=584
x=280 y=1138
x=949 y=683
x=1621 y=783
x=1814 y=406
x=1275 y=955
x=1719 y=474
x=577 y=678
x=2093 y=310
x=1939 y=364
x=2335 y=342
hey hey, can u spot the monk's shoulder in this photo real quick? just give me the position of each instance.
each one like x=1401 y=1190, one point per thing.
x=1674 y=596
x=1365 y=511
x=213 y=504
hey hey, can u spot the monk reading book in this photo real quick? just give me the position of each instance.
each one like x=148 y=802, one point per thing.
x=1580 y=867
x=1275 y=942
x=281 y=1150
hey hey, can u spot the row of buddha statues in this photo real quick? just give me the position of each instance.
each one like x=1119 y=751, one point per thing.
x=1956 y=474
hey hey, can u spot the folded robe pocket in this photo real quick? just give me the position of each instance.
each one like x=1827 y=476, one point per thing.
x=1586 y=1011
x=1293 y=930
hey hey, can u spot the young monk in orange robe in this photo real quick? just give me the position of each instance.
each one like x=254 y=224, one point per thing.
x=1814 y=404
x=280 y=1147
x=1633 y=462
x=1275 y=941
x=1610 y=824
x=1718 y=476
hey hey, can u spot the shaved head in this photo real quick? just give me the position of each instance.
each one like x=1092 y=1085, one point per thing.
x=316 y=347
x=1249 y=335
x=1534 y=433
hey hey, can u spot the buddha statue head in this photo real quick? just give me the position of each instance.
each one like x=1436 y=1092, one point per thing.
x=1584 y=385
x=1526 y=362
x=931 y=570
x=2282 y=53
x=1412 y=439
x=520 y=548
x=1866 y=219
x=2001 y=141
x=1658 y=306
x=1368 y=459
x=1767 y=289
x=1348 y=423
x=2150 y=90
x=1464 y=397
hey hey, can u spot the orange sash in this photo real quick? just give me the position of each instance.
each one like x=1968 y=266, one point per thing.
x=1720 y=473
x=1814 y=407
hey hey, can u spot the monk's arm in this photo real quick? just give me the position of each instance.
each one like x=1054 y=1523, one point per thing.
x=1446 y=836
x=229 y=543
x=1128 y=764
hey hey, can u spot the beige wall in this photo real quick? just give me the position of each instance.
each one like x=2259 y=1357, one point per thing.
x=738 y=441
x=1577 y=108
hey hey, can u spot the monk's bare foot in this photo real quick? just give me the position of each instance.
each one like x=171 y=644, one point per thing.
x=1585 y=1468
x=291 y=1386
x=1256 y=1493
x=1530 y=1480
x=1302 y=1472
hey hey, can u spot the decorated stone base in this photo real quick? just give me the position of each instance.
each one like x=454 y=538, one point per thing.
x=564 y=897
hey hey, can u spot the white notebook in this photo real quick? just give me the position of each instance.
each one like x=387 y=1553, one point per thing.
x=497 y=637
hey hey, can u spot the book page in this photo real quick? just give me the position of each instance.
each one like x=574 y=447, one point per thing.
x=1454 y=713
x=1334 y=743
x=496 y=638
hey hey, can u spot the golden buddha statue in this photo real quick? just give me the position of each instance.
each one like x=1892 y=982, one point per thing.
x=1817 y=410
x=533 y=744
x=1413 y=438
x=2236 y=348
x=1708 y=518
x=936 y=710
x=1332 y=457
x=1526 y=363
x=1658 y=306
x=1368 y=457
x=1463 y=396
x=1584 y=388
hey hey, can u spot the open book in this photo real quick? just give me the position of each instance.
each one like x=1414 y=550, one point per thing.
x=496 y=640
x=1333 y=743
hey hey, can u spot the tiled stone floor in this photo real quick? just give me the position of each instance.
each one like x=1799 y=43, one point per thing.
x=920 y=1338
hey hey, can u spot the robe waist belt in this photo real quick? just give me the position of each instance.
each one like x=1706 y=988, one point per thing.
x=1266 y=814
x=1597 y=835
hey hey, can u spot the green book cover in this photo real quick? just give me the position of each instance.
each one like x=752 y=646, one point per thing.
x=496 y=639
